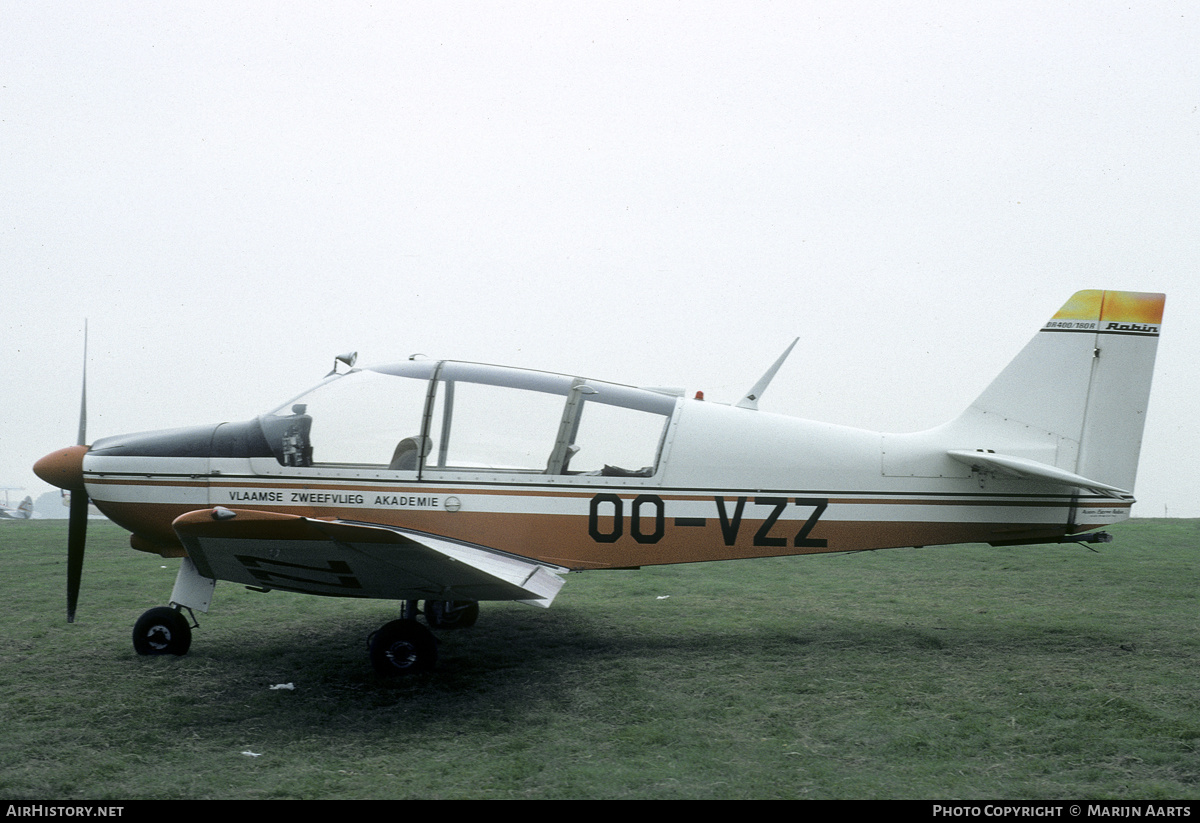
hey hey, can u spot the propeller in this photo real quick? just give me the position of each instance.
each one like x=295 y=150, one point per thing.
x=78 y=514
x=64 y=468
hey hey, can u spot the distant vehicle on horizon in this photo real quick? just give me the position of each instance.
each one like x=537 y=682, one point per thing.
x=23 y=511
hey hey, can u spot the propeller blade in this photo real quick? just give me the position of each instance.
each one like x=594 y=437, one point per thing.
x=76 y=539
x=82 y=441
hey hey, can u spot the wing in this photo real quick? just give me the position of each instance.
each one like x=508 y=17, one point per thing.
x=1021 y=467
x=340 y=558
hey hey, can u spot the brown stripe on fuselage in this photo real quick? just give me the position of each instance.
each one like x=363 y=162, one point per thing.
x=564 y=539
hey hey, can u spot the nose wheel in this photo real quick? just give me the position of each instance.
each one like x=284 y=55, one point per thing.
x=162 y=630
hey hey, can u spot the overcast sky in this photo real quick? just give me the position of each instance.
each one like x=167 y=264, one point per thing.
x=656 y=193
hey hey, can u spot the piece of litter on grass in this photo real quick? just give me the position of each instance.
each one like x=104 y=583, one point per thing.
x=288 y=686
x=662 y=597
x=249 y=753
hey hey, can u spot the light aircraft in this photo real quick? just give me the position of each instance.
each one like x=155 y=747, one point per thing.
x=23 y=511
x=451 y=483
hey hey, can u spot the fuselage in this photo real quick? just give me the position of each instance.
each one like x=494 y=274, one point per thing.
x=707 y=481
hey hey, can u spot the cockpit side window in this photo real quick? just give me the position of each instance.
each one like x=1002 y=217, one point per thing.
x=477 y=426
x=496 y=419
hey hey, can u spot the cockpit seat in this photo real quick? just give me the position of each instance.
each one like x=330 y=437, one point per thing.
x=408 y=454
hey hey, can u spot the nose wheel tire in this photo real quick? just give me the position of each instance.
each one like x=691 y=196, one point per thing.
x=162 y=631
x=402 y=647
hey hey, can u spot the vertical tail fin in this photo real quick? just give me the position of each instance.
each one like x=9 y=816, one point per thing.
x=1075 y=397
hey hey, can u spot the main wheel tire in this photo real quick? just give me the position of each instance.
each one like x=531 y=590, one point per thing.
x=451 y=614
x=403 y=647
x=162 y=631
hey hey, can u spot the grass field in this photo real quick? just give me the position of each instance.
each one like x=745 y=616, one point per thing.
x=1036 y=672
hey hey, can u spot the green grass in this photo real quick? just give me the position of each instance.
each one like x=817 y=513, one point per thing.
x=1035 y=672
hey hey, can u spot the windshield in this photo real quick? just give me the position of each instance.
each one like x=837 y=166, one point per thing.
x=358 y=418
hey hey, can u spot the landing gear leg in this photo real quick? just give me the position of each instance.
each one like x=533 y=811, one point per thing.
x=192 y=589
x=451 y=614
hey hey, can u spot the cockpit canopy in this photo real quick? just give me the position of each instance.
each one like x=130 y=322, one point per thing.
x=428 y=417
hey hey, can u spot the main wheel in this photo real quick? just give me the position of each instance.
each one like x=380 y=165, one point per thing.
x=403 y=647
x=451 y=614
x=162 y=631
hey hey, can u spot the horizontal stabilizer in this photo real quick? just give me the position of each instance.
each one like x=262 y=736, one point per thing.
x=339 y=558
x=1031 y=469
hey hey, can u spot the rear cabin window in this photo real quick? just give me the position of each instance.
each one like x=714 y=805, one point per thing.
x=617 y=438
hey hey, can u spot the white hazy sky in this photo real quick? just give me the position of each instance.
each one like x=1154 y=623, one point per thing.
x=657 y=193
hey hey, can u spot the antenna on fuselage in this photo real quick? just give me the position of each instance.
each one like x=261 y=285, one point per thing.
x=349 y=358
x=750 y=401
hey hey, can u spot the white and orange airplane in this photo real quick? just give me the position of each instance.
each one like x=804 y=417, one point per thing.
x=452 y=483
